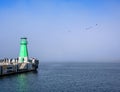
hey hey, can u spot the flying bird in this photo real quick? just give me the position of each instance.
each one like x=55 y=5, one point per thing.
x=69 y=31
x=89 y=28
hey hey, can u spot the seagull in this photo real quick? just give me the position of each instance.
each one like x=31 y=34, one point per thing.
x=69 y=31
x=88 y=28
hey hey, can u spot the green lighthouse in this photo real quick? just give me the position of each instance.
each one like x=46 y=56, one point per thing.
x=23 y=56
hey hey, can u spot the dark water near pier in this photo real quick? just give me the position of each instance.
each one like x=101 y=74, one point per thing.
x=66 y=77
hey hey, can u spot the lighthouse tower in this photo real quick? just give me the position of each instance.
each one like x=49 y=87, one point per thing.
x=23 y=56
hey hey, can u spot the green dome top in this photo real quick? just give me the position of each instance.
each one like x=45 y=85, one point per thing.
x=23 y=41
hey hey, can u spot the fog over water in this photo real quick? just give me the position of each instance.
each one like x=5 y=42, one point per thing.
x=64 y=30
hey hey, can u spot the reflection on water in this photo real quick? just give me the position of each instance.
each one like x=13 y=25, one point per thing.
x=24 y=80
x=18 y=82
x=22 y=83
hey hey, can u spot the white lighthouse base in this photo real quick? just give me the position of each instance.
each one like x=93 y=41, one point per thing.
x=23 y=59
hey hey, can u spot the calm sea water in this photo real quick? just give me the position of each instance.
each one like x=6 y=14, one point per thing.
x=65 y=77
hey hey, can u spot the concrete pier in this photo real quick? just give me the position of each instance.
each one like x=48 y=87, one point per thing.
x=9 y=66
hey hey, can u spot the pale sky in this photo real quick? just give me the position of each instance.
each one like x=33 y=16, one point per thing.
x=61 y=30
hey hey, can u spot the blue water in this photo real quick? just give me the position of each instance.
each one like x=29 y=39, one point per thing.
x=65 y=77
